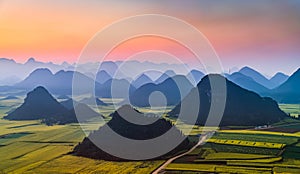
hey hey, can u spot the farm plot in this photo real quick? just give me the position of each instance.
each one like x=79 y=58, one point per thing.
x=73 y=164
x=248 y=143
x=30 y=147
x=215 y=168
x=257 y=136
x=292 y=109
x=241 y=153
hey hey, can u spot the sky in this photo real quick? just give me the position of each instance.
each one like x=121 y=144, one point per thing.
x=264 y=35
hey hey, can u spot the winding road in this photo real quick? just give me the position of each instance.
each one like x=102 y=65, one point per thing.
x=164 y=165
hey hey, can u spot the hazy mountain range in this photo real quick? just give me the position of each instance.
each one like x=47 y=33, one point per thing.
x=289 y=91
x=58 y=83
x=173 y=88
x=242 y=107
x=12 y=72
x=111 y=79
x=247 y=82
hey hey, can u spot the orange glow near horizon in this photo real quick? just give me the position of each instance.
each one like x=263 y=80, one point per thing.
x=147 y=43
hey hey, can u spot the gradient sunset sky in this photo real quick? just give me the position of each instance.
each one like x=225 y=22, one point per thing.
x=264 y=34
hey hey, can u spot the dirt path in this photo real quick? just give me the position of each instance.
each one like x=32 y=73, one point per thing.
x=200 y=142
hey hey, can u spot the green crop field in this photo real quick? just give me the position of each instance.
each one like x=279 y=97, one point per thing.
x=263 y=133
x=247 y=143
x=72 y=164
x=247 y=152
x=216 y=168
x=293 y=109
x=31 y=147
x=235 y=156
